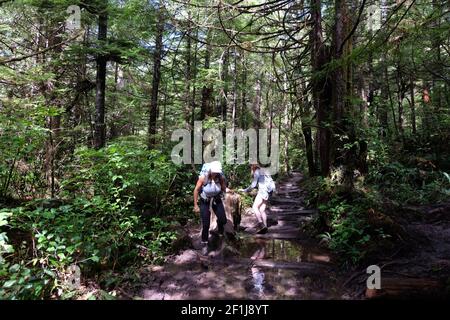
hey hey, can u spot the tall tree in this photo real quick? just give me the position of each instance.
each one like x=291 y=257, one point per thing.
x=321 y=87
x=102 y=59
x=157 y=57
x=207 y=90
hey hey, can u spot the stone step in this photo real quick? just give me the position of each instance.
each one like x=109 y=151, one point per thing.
x=297 y=219
x=282 y=205
x=284 y=228
x=280 y=235
x=299 y=212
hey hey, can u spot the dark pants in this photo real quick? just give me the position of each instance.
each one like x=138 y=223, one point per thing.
x=205 y=213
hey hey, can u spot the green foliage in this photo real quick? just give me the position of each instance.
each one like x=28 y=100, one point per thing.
x=124 y=171
x=345 y=220
x=98 y=225
x=91 y=233
x=349 y=231
x=4 y=246
x=406 y=185
x=238 y=176
x=20 y=140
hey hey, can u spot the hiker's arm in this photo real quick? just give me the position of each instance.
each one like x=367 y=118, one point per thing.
x=254 y=182
x=196 y=190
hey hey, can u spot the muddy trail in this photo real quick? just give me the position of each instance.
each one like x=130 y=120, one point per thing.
x=283 y=263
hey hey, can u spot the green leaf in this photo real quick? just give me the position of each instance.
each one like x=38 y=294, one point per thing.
x=9 y=283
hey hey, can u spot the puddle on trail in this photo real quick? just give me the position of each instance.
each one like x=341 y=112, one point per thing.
x=284 y=283
x=259 y=269
x=281 y=250
x=288 y=284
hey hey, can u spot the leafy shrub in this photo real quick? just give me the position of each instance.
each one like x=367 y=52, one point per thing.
x=406 y=185
x=92 y=233
x=125 y=169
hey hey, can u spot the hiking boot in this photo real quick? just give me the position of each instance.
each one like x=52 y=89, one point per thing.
x=260 y=227
x=262 y=230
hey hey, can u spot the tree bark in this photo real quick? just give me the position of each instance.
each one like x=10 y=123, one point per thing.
x=157 y=56
x=100 y=127
x=235 y=90
x=207 y=89
x=244 y=92
x=224 y=78
x=412 y=104
x=257 y=112
x=321 y=89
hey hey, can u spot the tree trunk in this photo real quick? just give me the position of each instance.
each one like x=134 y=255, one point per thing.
x=257 y=112
x=207 y=89
x=437 y=65
x=307 y=133
x=382 y=110
x=244 y=92
x=188 y=75
x=235 y=90
x=343 y=117
x=321 y=90
x=412 y=104
x=194 y=77
x=224 y=78
x=402 y=89
x=100 y=127
x=157 y=56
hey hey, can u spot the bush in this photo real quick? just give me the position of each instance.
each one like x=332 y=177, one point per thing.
x=125 y=169
x=110 y=217
x=94 y=234
x=406 y=185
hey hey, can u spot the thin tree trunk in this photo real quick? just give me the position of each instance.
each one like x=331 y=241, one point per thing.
x=412 y=104
x=164 y=115
x=257 y=112
x=224 y=78
x=157 y=56
x=100 y=127
x=235 y=91
x=194 y=77
x=207 y=88
x=188 y=74
x=244 y=91
x=400 y=97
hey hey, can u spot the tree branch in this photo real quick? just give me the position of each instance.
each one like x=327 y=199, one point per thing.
x=15 y=59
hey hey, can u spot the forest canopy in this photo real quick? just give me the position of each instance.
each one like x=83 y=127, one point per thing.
x=92 y=91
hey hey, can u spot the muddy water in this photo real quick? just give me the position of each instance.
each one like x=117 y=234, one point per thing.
x=282 y=250
x=256 y=269
x=282 y=264
x=286 y=269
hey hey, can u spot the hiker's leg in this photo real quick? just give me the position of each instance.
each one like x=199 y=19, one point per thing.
x=219 y=210
x=205 y=215
x=255 y=208
x=262 y=210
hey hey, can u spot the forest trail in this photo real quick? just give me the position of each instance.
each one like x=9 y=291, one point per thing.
x=284 y=263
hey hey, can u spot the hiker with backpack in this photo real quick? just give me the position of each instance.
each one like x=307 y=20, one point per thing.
x=211 y=187
x=266 y=186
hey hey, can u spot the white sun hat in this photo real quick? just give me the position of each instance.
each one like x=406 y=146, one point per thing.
x=216 y=167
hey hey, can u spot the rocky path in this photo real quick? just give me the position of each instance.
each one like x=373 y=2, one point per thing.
x=281 y=264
